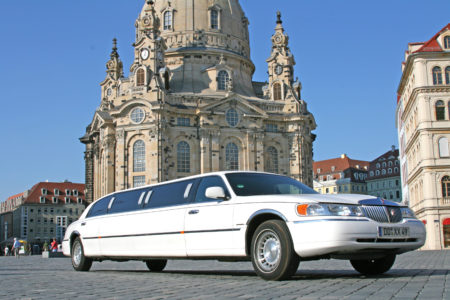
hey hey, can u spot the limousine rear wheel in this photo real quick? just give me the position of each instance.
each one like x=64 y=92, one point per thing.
x=79 y=261
x=156 y=265
x=374 y=266
x=273 y=255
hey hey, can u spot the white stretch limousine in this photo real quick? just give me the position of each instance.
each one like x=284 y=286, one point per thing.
x=272 y=220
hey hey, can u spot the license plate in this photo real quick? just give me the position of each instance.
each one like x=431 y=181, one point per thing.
x=394 y=232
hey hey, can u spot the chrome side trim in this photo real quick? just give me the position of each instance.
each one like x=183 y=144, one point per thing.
x=332 y=220
x=266 y=211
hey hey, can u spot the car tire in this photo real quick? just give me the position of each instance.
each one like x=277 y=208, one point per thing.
x=374 y=266
x=79 y=261
x=156 y=265
x=272 y=251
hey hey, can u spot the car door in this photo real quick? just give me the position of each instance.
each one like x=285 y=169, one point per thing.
x=209 y=222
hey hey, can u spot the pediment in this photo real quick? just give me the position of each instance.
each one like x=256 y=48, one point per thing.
x=233 y=101
x=100 y=119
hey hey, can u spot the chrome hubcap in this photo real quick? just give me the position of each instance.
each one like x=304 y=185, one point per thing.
x=268 y=251
x=77 y=253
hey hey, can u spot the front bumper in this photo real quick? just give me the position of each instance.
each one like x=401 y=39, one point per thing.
x=351 y=237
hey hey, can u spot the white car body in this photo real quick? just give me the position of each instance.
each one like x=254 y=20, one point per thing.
x=223 y=228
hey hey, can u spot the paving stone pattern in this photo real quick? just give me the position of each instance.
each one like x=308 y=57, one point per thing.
x=415 y=275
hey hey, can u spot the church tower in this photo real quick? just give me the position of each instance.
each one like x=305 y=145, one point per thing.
x=189 y=104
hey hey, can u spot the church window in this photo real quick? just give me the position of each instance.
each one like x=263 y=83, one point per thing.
x=140 y=77
x=443 y=147
x=183 y=157
x=139 y=156
x=137 y=115
x=214 y=14
x=138 y=181
x=447 y=75
x=271 y=163
x=445 y=187
x=183 y=122
x=447 y=42
x=437 y=75
x=231 y=157
x=271 y=127
x=222 y=80
x=276 y=91
x=168 y=20
x=232 y=117
x=440 y=110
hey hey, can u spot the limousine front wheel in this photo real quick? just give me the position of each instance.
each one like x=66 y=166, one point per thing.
x=156 y=265
x=374 y=266
x=273 y=255
x=79 y=261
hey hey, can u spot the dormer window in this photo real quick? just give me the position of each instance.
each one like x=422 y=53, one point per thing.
x=222 y=80
x=75 y=192
x=55 y=200
x=44 y=191
x=168 y=20
x=56 y=191
x=79 y=200
x=67 y=192
x=447 y=42
x=41 y=199
x=140 y=77
x=67 y=200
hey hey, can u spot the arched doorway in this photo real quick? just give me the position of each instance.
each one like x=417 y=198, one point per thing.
x=446 y=226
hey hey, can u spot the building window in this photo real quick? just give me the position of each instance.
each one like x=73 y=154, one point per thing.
x=168 y=20
x=231 y=157
x=139 y=156
x=183 y=122
x=183 y=157
x=437 y=75
x=138 y=181
x=137 y=115
x=214 y=14
x=140 y=77
x=271 y=128
x=276 y=91
x=222 y=80
x=447 y=75
x=232 y=117
x=440 y=110
x=271 y=163
x=445 y=187
x=443 y=147
x=447 y=42
x=446 y=229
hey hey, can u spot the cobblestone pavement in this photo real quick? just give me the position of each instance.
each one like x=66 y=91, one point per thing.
x=415 y=275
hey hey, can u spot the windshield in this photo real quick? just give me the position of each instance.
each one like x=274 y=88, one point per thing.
x=253 y=184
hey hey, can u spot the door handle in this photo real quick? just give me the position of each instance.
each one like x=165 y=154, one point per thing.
x=84 y=223
x=194 y=212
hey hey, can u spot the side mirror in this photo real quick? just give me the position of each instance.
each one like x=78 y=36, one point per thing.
x=216 y=192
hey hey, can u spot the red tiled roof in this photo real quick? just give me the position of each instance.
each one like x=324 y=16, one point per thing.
x=36 y=191
x=14 y=196
x=432 y=45
x=340 y=164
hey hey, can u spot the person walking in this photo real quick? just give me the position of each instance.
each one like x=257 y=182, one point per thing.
x=54 y=246
x=16 y=248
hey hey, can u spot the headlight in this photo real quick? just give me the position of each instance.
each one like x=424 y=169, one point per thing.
x=329 y=210
x=407 y=213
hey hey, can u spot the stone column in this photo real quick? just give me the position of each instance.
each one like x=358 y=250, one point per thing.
x=120 y=160
x=205 y=151
x=215 y=151
x=258 y=140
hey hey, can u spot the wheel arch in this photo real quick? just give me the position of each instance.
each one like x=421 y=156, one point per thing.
x=73 y=236
x=257 y=219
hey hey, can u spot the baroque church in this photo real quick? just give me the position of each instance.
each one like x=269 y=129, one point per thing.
x=189 y=104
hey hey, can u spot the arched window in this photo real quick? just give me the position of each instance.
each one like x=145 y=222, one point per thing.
x=222 y=80
x=447 y=75
x=271 y=163
x=447 y=42
x=440 y=110
x=214 y=14
x=231 y=157
x=183 y=157
x=437 y=75
x=168 y=20
x=443 y=147
x=276 y=91
x=445 y=187
x=140 y=77
x=139 y=156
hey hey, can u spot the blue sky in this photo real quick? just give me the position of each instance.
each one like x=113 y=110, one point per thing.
x=53 y=55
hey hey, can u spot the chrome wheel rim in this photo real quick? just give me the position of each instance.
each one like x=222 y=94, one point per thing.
x=77 y=254
x=268 y=251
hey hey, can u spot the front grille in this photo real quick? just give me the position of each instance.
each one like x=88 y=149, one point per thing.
x=384 y=214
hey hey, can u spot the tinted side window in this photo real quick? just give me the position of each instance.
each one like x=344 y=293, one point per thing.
x=100 y=207
x=206 y=183
x=126 y=201
x=170 y=194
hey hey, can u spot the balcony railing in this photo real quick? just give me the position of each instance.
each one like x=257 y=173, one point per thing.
x=445 y=201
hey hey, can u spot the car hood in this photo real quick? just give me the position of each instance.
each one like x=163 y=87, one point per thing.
x=321 y=198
